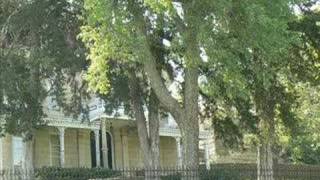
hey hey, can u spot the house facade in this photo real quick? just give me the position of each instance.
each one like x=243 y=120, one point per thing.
x=103 y=141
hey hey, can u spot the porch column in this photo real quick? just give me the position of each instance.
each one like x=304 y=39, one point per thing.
x=28 y=156
x=97 y=140
x=206 y=154
x=104 y=143
x=1 y=153
x=27 y=163
x=179 y=152
x=124 y=148
x=61 y=137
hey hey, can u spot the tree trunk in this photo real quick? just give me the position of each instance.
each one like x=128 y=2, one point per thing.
x=186 y=117
x=149 y=140
x=154 y=124
x=265 y=162
x=265 y=108
x=190 y=149
x=265 y=158
x=190 y=123
x=154 y=118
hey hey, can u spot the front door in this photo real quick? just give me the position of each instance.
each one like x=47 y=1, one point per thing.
x=93 y=150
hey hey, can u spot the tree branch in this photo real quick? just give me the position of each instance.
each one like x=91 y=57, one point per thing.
x=150 y=67
x=167 y=101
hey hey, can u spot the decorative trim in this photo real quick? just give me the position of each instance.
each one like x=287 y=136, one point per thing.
x=72 y=124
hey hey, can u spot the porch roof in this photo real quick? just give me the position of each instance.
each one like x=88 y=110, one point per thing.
x=59 y=120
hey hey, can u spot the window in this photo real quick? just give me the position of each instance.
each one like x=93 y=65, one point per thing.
x=55 y=150
x=17 y=151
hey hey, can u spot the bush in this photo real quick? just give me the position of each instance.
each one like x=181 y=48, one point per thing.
x=219 y=174
x=56 y=173
x=171 y=177
x=214 y=174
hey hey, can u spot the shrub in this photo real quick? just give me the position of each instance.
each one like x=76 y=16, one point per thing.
x=56 y=173
x=219 y=174
x=214 y=174
x=171 y=177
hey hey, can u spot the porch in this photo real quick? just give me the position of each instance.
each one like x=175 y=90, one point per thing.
x=65 y=142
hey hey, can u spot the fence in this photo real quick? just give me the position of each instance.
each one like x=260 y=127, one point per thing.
x=217 y=172
x=16 y=174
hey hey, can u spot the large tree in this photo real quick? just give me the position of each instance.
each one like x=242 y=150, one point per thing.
x=129 y=37
x=221 y=37
x=270 y=68
x=39 y=57
x=302 y=146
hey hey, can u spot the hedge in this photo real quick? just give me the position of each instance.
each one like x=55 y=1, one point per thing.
x=206 y=175
x=57 y=173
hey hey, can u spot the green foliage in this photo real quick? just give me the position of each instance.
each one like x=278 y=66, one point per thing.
x=214 y=174
x=39 y=56
x=243 y=29
x=258 y=44
x=247 y=46
x=159 y=5
x=301 y=144
x=171 y=177
x=305 y=147
x=307 y=54
x=128 y=30
x=107 y=37
x=220 y=174
x=52 y=173
x=96 y=75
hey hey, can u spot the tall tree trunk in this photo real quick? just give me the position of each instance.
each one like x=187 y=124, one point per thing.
x=190 y=143
x=186 y=116
x=265 y=162
x=265 y=158
x=154 y=118
x=265 y=107
x=149 y=140
x=190 y=123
